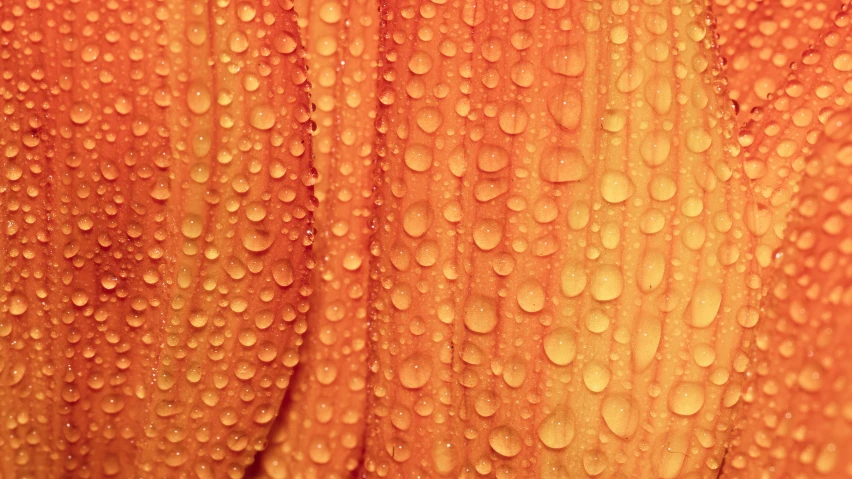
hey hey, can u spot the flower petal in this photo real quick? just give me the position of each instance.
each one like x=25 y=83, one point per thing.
x=796 y=419
x=562 y=253
x=321 y=427
x=155 y=295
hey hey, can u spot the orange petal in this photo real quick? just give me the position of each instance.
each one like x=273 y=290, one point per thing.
x=155 y=289
x=562 y=255
x=796 y=423
x=790 y=425
x=781 y=135
x=320 y=430
x=761 y=41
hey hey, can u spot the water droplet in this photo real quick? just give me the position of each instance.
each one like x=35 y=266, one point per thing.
x=262 y=117
x=606 y=282
x=415 y=371
x=560 y=346
x=705 y=304
x=568 y=60
x=596 y=376
x=561 y=165
x=237 y=42
x=662 y=187
x=486 y=403
x=257 y=241
x=418 y=157
x=420 y=63
x=198 y=98
x=18 y=304
x=616 y=187
x=282 y=273
x=698 y=140
x=523 y=73
x=620 y=415
x=417 y=219
x=655 y=148
x=747 y=317
x=319 y=451
x=506 y=441
x=513 y=119
x=573 y=280
x=651 y=271
x=686 y=398
x=597 y=321
x=531 y=296
x=487 y=234
x=480 y=314
x=556 y=431
x=566 y=106
x=648 y=334
x=81 y=113
x=429 y=119
x=492 y=158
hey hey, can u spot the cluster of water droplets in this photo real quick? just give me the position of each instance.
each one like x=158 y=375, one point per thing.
x=321 y=427
x=155 y=198
x=799 y=405
x=567 y=242
x=564 y=272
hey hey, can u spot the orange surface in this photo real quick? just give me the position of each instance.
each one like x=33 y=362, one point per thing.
x=796 y=424
x=156 y=212
x=321 y=427
x=550 y=239
x=562 y=250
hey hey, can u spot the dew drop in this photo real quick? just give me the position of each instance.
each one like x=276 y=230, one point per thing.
x=606 y=282
x=568 y=60
x=562 y=165
x=531 y=296
x=705 y=304
x=651 y=271
x=655 y=148
x=418 y=157
x=698 y=140
x=262 y=117
x=198 y=98
x=415 y=371
x=596 y=376
x=18 y=304
x=573 y=280
x=487 y=234
x=420 y=63
x=282 y=273
x=492 y=158
x=686 y=398
x=192 y=226
x=429 y=119
x=417 y=219
x=81 y=113
x=513 y=119
x=319 y=451
x=620 y=415
x=257 y=241
x=480 y=314
x=556 y=431
x=506 y=441
x=560 y=346
x=616 y=187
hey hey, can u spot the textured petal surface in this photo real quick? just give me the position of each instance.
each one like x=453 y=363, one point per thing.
x=564 y=284
x=762 y=40
x=779 y=137
x=321 y=427
x=155 y=204
x=796 y=423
